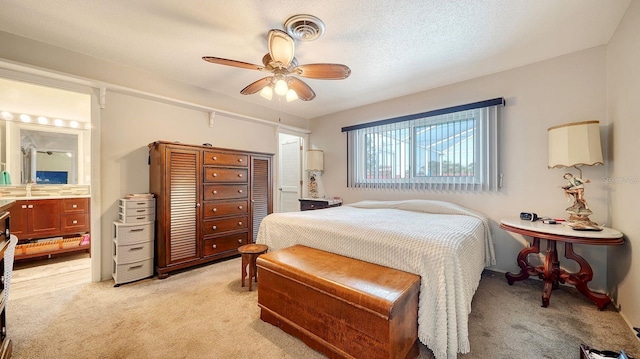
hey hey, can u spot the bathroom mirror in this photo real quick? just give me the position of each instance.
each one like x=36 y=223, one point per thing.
x=46 y=154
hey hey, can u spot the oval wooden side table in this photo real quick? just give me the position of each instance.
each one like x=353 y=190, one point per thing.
x=250 y=253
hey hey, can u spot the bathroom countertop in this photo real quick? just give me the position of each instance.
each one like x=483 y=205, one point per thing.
x=25 y=198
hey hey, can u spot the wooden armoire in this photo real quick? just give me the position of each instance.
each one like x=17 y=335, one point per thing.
x=209 y=202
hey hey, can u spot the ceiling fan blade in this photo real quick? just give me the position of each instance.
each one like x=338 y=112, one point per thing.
x=234 y=63
x=323 y=71
x=281 y=47
x=257 y=86
x=305 y=93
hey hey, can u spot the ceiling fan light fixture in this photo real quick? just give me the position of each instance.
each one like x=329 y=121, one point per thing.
x=281 y=87
x=267 y=92
x=291 y=95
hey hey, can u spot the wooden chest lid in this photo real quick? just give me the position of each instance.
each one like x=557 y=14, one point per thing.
x=364 y=284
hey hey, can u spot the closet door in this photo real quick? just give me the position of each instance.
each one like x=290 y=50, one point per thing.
x=182 y=191
x=261 y=192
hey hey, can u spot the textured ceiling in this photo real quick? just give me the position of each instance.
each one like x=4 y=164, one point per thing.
x=393 y=48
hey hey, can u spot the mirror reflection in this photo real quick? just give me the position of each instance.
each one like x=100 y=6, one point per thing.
x=49 y=157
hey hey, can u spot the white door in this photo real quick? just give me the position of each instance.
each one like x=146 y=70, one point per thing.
x=290 y=173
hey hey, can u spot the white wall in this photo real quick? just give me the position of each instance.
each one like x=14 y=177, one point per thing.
x=130 y=123
x=623 y=84
x=565 y=89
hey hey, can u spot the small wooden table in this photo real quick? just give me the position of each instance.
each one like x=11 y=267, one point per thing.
x=551 y=272
x=250 y=253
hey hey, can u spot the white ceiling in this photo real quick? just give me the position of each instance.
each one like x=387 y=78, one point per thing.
x=393 y=48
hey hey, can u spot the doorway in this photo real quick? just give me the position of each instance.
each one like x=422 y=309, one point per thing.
x=49 y=124
x=289 y=172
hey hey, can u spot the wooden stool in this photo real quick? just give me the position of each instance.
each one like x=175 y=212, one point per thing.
x=249 y=254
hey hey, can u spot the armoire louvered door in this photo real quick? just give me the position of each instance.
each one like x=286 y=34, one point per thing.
x=183 y=198
x=261 y=192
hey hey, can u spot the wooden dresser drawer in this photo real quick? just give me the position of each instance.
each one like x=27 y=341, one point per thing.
x=225 y=159
x=219 y=226
x=70 y=205
x=78 y=221
x=221 y=191
x=216 y=174
x=224 y=244
x=215 y=209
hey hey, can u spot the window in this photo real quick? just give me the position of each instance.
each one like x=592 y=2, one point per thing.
x=448 y=149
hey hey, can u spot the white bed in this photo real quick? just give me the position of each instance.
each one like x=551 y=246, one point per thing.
x=446 y=244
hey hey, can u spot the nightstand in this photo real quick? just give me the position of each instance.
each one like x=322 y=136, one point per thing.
x=307 y=204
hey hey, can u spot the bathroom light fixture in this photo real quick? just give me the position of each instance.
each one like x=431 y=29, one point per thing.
x=44 y=120
x=6 y=115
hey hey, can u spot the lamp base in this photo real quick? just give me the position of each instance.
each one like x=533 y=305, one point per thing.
x=313 y=186
x=581 y=222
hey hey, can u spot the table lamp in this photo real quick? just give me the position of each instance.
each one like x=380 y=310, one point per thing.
x=315 y=163
x=572 y=145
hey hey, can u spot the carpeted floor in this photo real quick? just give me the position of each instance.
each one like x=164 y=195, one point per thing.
x=205 y=313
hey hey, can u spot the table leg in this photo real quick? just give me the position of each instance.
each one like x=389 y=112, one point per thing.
x=252 y=269
x=582 y=277
x=526 y=269
x=244 y=268
x=551 y=272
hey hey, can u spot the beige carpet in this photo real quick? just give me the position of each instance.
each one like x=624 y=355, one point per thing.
x=205 y=313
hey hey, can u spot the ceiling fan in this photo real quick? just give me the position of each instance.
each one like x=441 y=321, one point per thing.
x=281 y=62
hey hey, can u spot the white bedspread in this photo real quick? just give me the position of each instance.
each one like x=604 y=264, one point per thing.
x=446 y=244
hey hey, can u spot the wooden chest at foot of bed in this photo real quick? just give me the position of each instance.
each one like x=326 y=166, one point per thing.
x=342 y=307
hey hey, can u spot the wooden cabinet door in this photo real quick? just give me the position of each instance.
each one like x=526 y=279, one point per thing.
x=19 y=219
x=182 y=193
x=261 y=192
x=44 y=217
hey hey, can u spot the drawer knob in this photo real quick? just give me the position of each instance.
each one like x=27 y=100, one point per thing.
x=214 y=227
x=135 y=249
x=215 y=175
x=215 y=158
x=215 y=210
x=214 y=246
x=197 y=205
x=239 y=207
x=74 y=221
x=74 y=206
x=24 y=206
x=239 y=191
x=240 y=175
x=215 y=192
x=30 y=206
x=312 y=206
x=239 y=159
x=240 y=240
x=239 y=223
x=140 y=210
x=135 y=267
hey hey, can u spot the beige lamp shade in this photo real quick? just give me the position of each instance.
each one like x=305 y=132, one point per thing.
x=315 y=160
x=575 y=144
